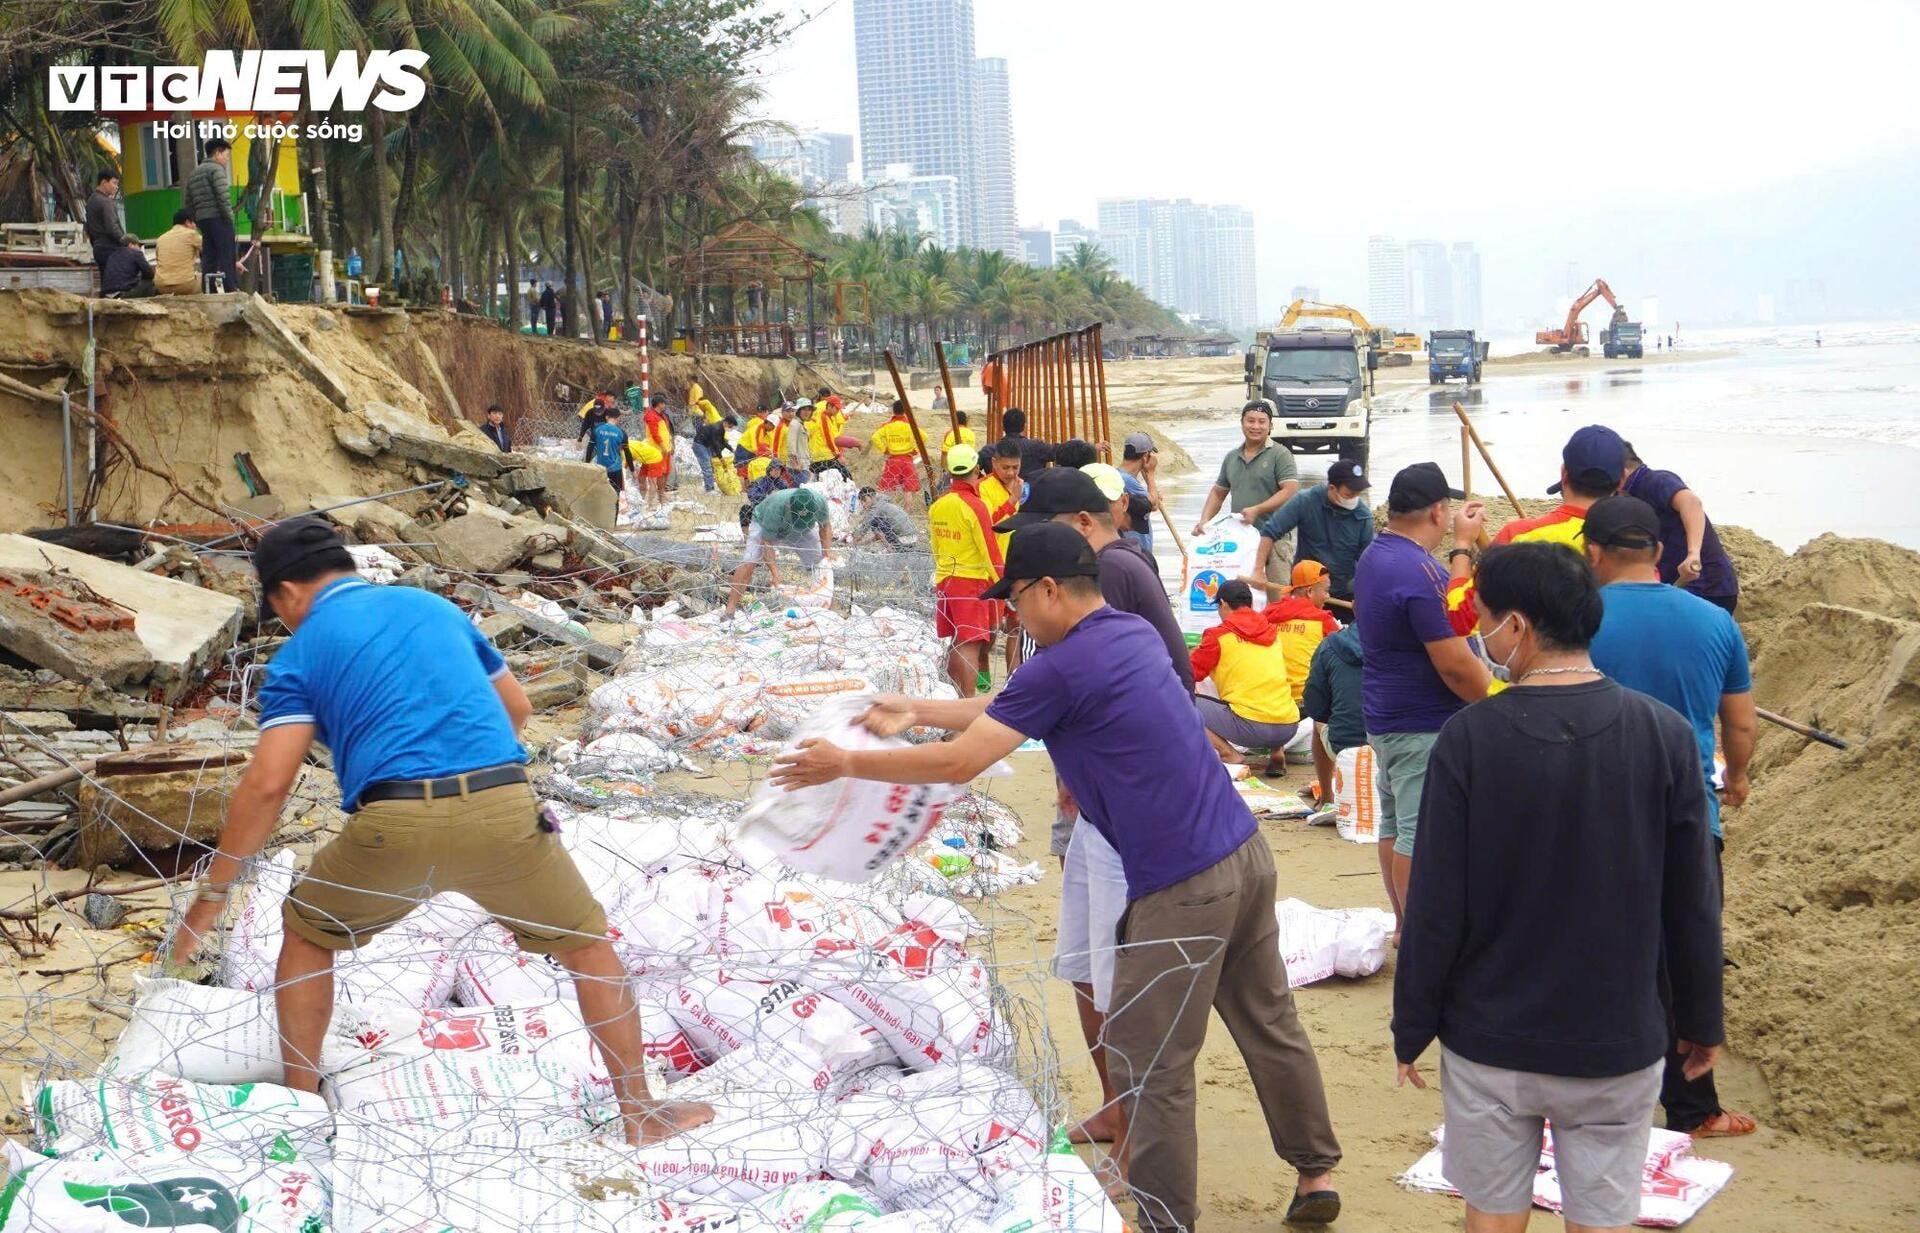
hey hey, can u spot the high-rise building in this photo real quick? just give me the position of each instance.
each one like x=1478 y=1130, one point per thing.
x=808 y=159
x=1387 y=281
x=916 y=75
x=1429 y=287
x=995 y=225
x=1190 y=256
x=1036 y=247
x=1468 y=313
x=1303 y=292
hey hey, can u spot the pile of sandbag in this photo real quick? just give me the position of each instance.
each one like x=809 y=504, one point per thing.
x=854 y=1047
x=737 y=688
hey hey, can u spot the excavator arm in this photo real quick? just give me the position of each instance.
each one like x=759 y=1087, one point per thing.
x=1573 y=333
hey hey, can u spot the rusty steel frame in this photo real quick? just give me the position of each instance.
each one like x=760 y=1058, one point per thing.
x=1061 y=383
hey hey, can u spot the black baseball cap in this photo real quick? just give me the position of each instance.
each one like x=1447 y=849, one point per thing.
x=289 y=544
x=1419 y=486
x=1057 y=491
x=1349 y=474
x=1622 y=522
x=1596 y=456
x=1048 y=550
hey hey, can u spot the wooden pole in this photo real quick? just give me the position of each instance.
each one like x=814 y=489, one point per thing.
x=1812 y=734
x=920 y=443
x=1466 y=463
x=1492 y=466
x=1066 y=385
x=1100 y=382
x=946 y=379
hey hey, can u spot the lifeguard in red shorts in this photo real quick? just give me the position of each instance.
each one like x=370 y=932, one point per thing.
x=966 y=561
x=895 y=441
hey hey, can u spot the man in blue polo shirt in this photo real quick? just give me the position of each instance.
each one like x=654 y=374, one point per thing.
x=1138 y=763
x=422 y=717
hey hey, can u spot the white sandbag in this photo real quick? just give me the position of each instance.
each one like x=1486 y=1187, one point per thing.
x=812 y=590
x=848 y=829
x=940 y=1140
x=1061 y=1195
x=533 y=1095
x=931 y=1001
x=1316 y=943
x=491 y=969
x=1224 y=552
x=759 y=1142
x=784 y=1018
x=816 y=1207
x=1356 y=796
x=111 y=1193
x=551 y=1031
x=159 y=1116
x=661 y=925
x=484 y=1182
x=211 y=1035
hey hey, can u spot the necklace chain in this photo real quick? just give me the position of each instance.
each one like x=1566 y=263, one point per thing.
x=1585 y=669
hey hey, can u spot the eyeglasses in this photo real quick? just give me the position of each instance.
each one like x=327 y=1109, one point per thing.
x=1013 y=596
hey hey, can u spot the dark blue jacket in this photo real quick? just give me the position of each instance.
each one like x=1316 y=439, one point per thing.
x=1332 y=695
x=1333 y=536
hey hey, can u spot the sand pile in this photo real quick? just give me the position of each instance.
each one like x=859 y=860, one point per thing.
x=1823 y=865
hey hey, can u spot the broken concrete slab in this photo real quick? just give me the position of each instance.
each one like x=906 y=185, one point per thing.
x=488 y=540
x=527 y=479
x=48 y=691
x=599 y=654
x=184 y=628
x=51 y=623
x=582 y=492
x=553 y=688
x=155 y=796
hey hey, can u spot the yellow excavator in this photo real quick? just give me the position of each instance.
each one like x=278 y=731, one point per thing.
x=1386 y=342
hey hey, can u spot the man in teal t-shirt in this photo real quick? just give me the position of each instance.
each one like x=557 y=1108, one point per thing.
x=795 y=518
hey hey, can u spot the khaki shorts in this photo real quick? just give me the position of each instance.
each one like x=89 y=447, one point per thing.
x=487 y=845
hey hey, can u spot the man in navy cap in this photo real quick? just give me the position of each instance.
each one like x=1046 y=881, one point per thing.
x=1335 y=525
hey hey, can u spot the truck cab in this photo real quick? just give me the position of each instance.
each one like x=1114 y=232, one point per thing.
x=1454 y=353
x=1320 y=386
x=1622 y=338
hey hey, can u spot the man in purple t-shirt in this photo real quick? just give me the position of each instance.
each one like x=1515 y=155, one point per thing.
x=1690 y=551
x=1416 y=671
x=1138 y=763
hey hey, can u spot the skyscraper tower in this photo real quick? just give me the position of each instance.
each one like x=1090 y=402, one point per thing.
x=1387 y=281
x=916 y=75
x=996 y=224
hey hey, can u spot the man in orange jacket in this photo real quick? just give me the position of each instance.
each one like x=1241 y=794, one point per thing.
x=1256 y=706
x=1301 y=620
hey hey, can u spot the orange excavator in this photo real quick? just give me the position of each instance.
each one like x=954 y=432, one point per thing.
x=1574 y=333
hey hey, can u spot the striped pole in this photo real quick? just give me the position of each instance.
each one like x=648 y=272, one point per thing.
x=646 y=375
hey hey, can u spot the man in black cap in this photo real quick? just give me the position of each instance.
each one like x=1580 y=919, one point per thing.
x=1335 y=525
x=1195 y=863
x=1687 y=652
x=1417 y=670
x=1093 y=888
x=422 y=717
x=1139 y=461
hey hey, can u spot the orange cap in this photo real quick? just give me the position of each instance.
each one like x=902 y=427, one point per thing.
x=1307 y=573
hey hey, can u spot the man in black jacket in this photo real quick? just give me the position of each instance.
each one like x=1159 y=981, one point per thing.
x=1576 y=812
x=496 y=428
x=102 y=224
x=126 y=272
x=209 y=197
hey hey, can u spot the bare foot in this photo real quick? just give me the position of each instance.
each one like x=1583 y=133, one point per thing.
x=1100 y=1128
x=1394 y=941
x=662 y=1119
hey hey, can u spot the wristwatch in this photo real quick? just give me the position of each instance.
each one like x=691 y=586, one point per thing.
x=1460 y=552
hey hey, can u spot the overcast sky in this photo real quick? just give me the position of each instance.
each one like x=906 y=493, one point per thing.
x=1702 y=152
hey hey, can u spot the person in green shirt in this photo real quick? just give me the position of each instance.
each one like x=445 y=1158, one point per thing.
x=1256 y=478
x=790 y=518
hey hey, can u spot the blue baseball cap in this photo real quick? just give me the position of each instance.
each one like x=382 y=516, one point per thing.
x=1595 y=456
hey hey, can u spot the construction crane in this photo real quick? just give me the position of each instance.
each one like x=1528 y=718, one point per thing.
x=1574 y=333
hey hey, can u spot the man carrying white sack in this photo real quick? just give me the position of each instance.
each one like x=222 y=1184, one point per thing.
x=1138 y=763
x=423 y=718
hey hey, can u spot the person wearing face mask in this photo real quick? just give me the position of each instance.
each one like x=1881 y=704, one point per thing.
x=1334 y=522
x=1565 y=904
x=1418 y=671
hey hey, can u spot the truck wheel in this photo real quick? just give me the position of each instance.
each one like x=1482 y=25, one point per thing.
x=1432 y=380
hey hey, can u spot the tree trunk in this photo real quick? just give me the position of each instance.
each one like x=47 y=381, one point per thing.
x=409 y=187
x=382 y=263
x=569 y=231
x=629 y=328
x=511 y=242
x=313 y=181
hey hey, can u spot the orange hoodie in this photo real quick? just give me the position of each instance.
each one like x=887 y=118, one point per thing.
x=1249 y=667
x=1301 y=624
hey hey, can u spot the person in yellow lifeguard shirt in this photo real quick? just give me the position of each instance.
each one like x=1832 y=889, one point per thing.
x=897 y=444
x=966 y=561
x=1301 y=620
x=759 y=443
x=959 y=434
x=823 y=454
x=1243 y=655
x=701 y=405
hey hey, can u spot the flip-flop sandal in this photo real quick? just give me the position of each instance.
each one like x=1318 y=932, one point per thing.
x=1318 y=1207
x=1725 y=1124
